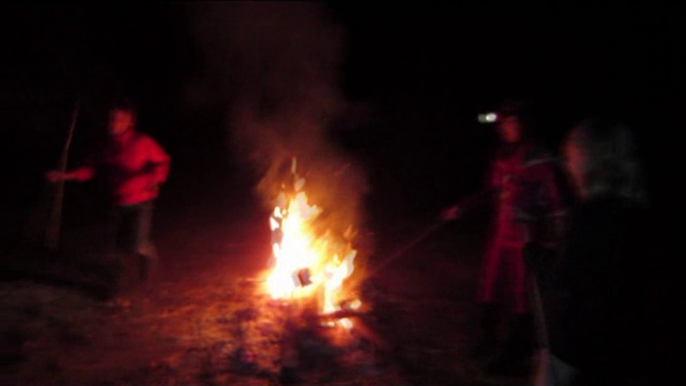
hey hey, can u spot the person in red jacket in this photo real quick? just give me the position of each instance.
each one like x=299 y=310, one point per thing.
x=136 y=166
x=524 y=184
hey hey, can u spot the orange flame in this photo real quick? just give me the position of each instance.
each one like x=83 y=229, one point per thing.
x=307 y=263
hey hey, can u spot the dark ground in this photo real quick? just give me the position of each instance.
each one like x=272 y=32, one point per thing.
x=203 y=321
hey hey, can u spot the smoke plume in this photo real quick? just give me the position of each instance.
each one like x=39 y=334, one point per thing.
x=275 y=67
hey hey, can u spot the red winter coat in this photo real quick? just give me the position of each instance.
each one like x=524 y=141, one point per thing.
x=528 y=199
x=136 y=165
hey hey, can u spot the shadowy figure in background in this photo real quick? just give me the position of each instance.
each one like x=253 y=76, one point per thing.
x=136 y=166
x=529 y=212
x=595 y=292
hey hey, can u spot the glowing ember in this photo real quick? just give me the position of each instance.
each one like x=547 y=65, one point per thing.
x=346 y=323
x=307 y=262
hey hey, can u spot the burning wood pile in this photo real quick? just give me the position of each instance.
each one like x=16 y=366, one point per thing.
x=309 y=263
x=307 y=280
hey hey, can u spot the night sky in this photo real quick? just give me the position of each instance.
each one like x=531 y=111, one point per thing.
x=414 y=77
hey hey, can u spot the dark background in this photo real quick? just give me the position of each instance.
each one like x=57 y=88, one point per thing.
x=421 y=73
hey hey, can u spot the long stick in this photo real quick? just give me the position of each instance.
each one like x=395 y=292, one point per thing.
x=465 y=205
x=541 y=330
x=52 y=236
x=541 y=376
x=423 y=235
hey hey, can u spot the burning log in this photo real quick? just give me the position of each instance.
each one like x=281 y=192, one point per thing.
x=347 y=309
x=341 y=314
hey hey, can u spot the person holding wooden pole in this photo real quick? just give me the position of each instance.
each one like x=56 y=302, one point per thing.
x=529 y=211
x=136 y=167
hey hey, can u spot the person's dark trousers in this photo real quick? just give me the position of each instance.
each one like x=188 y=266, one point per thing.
x=130 y=232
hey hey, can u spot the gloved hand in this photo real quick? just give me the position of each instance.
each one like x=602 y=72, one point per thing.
x=451 y=213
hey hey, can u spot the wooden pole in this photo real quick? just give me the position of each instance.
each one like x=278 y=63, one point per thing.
x=52 y=236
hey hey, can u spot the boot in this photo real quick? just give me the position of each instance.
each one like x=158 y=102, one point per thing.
x=522 y=342
x=488 y=341
x=516 y=357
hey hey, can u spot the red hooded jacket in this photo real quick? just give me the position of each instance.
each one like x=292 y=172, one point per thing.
x=136 y=165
